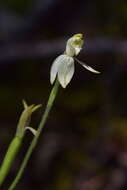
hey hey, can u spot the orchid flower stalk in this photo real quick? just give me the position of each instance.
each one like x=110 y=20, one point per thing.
x=33 y=144
x=62 y=71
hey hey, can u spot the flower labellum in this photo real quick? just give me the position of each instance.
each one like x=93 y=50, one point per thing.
x=63 y=65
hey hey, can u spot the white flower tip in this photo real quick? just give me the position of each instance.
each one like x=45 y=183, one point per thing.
x=63 y=85
x=98 y=72
x=90 y=69
x=51 y=79
x=52 y=76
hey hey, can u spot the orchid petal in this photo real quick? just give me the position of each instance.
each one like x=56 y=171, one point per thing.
x=66 y=71
x=54 y=68
x=87 y=67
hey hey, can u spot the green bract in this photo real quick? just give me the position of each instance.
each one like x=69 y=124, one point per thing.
x=16 y=142
x=63 y=66
x=25 y=118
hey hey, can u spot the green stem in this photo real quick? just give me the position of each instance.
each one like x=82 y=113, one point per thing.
x=9 y=158
x=35 y=139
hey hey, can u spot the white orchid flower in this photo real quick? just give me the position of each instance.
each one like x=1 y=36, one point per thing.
x=63 y=66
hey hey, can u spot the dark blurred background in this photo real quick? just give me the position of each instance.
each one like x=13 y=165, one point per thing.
x=84 y=142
